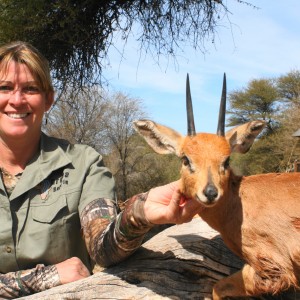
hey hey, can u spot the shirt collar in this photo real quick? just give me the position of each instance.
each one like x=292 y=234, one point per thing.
x=52 y=156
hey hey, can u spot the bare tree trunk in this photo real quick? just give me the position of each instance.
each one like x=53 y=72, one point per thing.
x=181 y=262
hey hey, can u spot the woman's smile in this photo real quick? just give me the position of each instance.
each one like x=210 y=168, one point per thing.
x=17 y=115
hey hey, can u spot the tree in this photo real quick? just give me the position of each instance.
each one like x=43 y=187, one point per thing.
x=289 y=87
x=80 y=117
x=75 y=35
x=259 y=100
x=276 y=150
x=285 y=147
x=145 y=169
x=119 y=133
x=152 y=169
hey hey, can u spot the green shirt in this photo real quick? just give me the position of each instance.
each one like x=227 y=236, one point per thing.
x=40 y=220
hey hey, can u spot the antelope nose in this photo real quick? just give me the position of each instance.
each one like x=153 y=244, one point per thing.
x=210 y=192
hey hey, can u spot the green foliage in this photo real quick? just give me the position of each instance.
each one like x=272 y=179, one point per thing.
x=259 y=100
x=260 y=159
x=72 y=34
x=289 y=87
x=276 y=149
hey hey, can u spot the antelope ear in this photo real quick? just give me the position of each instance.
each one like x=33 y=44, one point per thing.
x=242 y=137
x=161 y=139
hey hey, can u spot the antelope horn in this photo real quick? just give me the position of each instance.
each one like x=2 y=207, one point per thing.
x=189 y=109
x=222 y=111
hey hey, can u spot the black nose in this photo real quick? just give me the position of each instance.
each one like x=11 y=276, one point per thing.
x=210 y=192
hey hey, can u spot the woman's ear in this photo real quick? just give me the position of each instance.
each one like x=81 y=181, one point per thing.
x=49 y=100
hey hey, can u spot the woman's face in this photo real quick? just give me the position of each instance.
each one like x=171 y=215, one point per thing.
x=22 y=103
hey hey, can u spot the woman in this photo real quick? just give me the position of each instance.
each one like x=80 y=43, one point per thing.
x=57 y=201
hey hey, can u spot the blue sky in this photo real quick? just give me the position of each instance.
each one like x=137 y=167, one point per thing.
x=260 y=43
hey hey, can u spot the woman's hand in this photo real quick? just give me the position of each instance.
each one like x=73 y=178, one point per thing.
x=71 y=270
x=165 y=204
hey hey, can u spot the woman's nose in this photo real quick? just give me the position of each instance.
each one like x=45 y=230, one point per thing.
x=16 y=97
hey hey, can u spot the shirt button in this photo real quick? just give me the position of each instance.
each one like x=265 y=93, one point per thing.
x=8 y=249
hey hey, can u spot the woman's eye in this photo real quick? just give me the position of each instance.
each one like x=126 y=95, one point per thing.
x=31 y=89
x=5 y=88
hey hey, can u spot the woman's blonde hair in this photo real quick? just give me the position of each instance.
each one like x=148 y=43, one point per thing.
x=24 y=53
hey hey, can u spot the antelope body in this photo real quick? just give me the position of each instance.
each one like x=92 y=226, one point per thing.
x=257 y=216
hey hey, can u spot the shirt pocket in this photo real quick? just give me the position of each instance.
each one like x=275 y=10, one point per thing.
x=47 y=213
x=48 y=237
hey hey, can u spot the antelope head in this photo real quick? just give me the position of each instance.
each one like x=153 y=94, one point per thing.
x=205 y=157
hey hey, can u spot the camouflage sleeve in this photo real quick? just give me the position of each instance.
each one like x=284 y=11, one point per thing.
x=22 y=283
x=110 y=238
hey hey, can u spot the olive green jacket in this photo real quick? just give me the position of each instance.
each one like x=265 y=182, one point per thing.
x=39 y=222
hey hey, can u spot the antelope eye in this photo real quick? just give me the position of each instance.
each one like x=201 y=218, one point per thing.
x=226 y=163
x=185 y=160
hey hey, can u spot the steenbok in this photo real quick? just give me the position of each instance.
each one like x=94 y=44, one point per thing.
x=257 y=216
